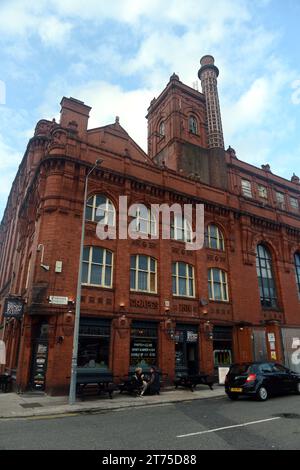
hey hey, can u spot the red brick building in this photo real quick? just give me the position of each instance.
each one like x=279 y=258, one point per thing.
x=147 y=301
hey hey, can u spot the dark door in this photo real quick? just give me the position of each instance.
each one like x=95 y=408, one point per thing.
x=186 y=350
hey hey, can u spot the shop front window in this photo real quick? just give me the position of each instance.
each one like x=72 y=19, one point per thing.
x=93 y=344
x=186 y=349
x=222 y=346
x=143 y=345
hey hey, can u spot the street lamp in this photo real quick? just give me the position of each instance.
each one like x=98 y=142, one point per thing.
x=72 y=392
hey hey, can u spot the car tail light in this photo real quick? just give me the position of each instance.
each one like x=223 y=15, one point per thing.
x=251 y=378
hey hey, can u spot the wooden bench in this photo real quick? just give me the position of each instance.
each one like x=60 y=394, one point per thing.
x=90 y=383
x=191 y=381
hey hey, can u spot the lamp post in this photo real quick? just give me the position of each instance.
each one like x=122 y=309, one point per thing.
x=72 y=392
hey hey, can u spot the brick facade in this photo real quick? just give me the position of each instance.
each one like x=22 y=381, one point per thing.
x=182 y=166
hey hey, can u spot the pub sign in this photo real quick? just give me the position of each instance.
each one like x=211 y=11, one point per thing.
x=13 y=308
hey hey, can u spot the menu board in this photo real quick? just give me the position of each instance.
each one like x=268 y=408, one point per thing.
x=40 y=366
x=143 y=352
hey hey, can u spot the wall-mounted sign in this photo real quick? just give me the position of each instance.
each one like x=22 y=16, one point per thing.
x=273 y=355
x=222 y=372
x=271 y=337
x=13 y=308
x=191 y=337
x=56 y=300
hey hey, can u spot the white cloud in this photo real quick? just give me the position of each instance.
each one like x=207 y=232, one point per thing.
x=296 y=94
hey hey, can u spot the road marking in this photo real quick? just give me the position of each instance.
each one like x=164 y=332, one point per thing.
x=228 y=427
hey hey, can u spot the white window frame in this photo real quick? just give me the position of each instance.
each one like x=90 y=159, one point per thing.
x=109 y=209
x=150 y=221
x=294 y=206
x=104 y=266
x=136 y=269
x=262 y=191
x=195 y=122
x=180 y=225
x=280 y=199
x=246 y=188
x=223 y=283
x=187 y=278
x=220 y=238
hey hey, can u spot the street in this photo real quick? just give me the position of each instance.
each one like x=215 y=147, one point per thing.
x=200 y=424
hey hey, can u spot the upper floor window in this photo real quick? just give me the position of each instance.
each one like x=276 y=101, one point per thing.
x=100 y=209
x=181 y=229
x=183 y=279
x=297 y=268
x=144 y=221
x=214 y=237
x=246 y=188
x=280 y=200
x=161 y=129
x=294 y=203
x=143 y=273
x=262 y=191
x=266 y=282
x=217 y=285
x=193 y=125
x=97 y=266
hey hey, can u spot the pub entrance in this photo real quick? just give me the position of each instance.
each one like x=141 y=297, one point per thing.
x=186 y=349
x=39 y=357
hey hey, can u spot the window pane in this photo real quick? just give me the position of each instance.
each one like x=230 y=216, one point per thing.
x=152 y=265
x=142 y=280
x=152 y=282
x=97 y=256
x=191 y=287
x=89 y=213
x=174 y=268
x=182 y=269
x=86 y=253
x=85 y=268
x=217 y=291
x=132 y=262
x=174 y=285
x=132 y=279
x=109 y=258
x=107 y=280
x=182 y=286
x=96 y=272
x=143 y=262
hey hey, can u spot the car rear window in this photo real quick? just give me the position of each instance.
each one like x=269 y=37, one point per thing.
x=241 y=369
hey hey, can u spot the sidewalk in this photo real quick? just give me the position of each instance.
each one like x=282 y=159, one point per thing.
x=28 y=405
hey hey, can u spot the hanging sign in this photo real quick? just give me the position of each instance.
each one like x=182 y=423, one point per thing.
x=13 y=308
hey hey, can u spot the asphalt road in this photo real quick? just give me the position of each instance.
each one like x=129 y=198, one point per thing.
x=274 y=424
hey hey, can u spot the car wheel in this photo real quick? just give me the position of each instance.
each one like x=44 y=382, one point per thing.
x=262 y=394
x=298 y=388
x=233 y=396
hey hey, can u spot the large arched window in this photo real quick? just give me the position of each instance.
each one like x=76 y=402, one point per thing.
x=297 y=268
x=143 y=273
x=193 y=125
x=161 y=129
x=100 y=209
x=217 y=285
x=214 y=238
x=266 y=281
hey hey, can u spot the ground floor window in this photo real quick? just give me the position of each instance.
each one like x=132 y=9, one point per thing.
x=222 y=346
x=143 y=345
x=93 y=343
x=186 y=349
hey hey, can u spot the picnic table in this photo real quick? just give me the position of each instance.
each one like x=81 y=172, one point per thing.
x=93 y=382
x=191 y=381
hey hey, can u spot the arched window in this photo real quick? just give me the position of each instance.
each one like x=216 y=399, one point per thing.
x=193 y=125
x=144 y=222
x=143 y=273
x=217 y=285
x=266 y=282
x=161 y=129
x=181 y=229
x=183 y=279
x=297 y=268
x=97 y=266
x=100 y=209
x=214 y=238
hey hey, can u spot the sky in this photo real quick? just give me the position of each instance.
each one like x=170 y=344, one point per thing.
x=117 y=55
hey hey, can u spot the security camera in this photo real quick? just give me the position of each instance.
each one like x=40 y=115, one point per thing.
x=45 y=267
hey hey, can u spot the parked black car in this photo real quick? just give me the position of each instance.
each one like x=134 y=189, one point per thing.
x=260 y=380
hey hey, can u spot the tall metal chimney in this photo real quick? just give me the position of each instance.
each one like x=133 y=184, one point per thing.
x=208 y=74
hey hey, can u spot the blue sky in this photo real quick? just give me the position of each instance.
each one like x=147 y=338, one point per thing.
x=117 y=55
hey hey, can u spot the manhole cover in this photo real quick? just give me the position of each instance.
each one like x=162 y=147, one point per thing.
x=289 y=415
x=31 y=405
